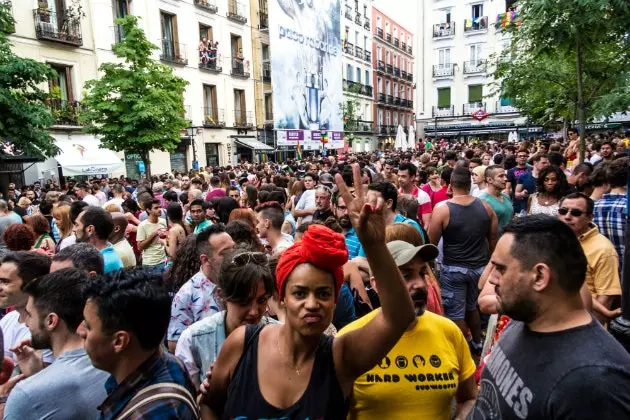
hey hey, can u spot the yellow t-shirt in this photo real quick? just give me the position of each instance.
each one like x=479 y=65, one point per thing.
x=602 y=275
x=418 y=378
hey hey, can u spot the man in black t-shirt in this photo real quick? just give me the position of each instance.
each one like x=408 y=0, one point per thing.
x=322 y=200
x=553 y=360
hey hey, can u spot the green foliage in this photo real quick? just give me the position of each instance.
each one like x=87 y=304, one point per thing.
x=351 y=109
x=136 y=106
x=569 y=59
x=24 y=116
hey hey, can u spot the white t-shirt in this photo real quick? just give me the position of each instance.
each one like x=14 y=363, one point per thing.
x=306 y=202
x=91 y=200
x=117 y=201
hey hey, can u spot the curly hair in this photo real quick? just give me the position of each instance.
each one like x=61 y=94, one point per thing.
x=185 y=264
x=19 y=237
x=562 y=186
x=244 y=235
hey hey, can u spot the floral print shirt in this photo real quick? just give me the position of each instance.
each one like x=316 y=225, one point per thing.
x=197 y=299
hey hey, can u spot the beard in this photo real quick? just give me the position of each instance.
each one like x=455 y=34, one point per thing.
x=419 y=298
x=82 y=238
x=344 y=222
x=521 y=310
x=40 y=341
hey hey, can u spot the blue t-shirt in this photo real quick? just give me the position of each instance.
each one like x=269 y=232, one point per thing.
x=344 y=310
x=352 y=243
x=111 y=259
x=400 y=219
x=529 y=184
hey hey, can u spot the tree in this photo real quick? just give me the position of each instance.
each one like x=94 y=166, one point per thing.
x=350 y=111
x=136 y=106
x=24 y=115
x=568 y=59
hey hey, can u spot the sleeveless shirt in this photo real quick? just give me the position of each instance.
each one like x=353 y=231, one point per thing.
x=322 y=399
x=465 y=243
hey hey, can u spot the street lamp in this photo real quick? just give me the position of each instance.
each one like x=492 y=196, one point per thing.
x=191 y=132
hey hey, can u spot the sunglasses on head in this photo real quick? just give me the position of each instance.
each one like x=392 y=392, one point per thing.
x=247 y=257
x=574 y=212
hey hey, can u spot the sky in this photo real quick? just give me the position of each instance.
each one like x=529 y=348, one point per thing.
x=404 y=12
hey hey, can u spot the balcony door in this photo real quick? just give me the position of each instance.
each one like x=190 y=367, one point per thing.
x=210 y=102
x=170 y=48
x=60 y=85
x=444 y=58
x=477 y=11
x=239 y=107
x=475 y=54
x=121 y=9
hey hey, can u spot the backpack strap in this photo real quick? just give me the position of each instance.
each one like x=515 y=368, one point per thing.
x=161 y=391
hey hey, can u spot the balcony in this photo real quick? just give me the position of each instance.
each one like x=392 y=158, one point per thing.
x=447 y=111
x=444 y=30
x=209 y=5
x=382 y=98
x=396 y=72
x=356 y=87
x=243 y=119
x=240 y=67
x=390 y=100
x=506 y=109
x=236 y=12
x=387 y=129
x=396 y=43
x=358 y=52
x=173 y=52
x=366 y=24
x=389 y=69
x=397 y=101
x=357 y=19
x=406 y=103
x=263 y=20
x=380 y=66
x=403 y=75
x=367 y=56
x=51 y=26
x=211 y=62
x=269 y=117
x=348 y=48
x=266 y=72
x=348 y=13
x=64 y=112
x=476 y=25
x=410 y=49
x=379 y=33
x=475 y=67
x=388 y=38
x=409 y=77
x=213 y=118
x=358 y=126
x=403 y=46
x=469 y=108
x=443 y=70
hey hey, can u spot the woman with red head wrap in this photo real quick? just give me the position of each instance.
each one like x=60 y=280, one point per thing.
x=293 y=370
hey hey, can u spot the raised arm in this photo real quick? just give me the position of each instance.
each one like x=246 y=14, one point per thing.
x=360 y=350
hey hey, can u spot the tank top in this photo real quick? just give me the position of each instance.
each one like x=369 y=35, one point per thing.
x=464 y=238
x=322 y=399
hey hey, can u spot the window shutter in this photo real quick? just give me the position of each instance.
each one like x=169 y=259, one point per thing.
x=444 y=97
x=475 y=93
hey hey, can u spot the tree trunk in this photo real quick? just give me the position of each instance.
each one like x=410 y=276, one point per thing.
x=580 y=100
x=147 y=163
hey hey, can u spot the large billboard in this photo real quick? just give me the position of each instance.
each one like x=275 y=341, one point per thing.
x=306 y=73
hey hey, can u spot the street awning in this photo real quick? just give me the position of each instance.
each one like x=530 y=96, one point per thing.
x=253 y=144
x=82 y=157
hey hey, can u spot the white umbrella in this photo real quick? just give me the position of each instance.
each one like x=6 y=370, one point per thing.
x=411 y=140
x=400 y=139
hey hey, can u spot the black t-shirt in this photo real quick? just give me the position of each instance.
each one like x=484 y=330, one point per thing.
x=318 y=215
x=580 y=373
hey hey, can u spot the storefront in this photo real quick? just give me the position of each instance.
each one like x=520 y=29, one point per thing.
x=77 y=158
x=498 y=131
x=251 y=150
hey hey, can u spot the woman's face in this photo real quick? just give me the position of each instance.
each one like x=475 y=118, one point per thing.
x=249 y=312
x=434 y=178
x=551 y=180
x=475 y=178
x=309 y=299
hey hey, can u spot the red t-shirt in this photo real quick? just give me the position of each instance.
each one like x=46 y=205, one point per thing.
x=424 y=202
x=435 y=196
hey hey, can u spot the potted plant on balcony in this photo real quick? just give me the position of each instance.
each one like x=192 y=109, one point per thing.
x=72 y=21
x=43 y=12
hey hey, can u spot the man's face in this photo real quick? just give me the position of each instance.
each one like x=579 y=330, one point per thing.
x=221 y=244
x=521 y=159
x=10 y=283
x=37 y=186
x=573 y=135
x=405 y=179
x=81 y=232
x=322 y=200
x=388 y=169
x=513 y=284
x=156 y=210
x=341 y=213
x=30 y=195
x=185 y=182
x=40 y=336
x=134 y=183
x=235 y=194
x=309 y=183
x=576 y=217
x=485 y=159
x=262 y=225
x=498 y=179
x=98 y=344
x=80 y=192
x=541 y=164
x=197 y=214
x=416 y=276
x=605 y=151
x=103 y=181
x=472 y=165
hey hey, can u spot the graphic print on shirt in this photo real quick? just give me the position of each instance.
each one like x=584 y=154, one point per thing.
x=418 y=373
x=506 y=384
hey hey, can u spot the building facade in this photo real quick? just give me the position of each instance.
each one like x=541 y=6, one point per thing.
x=359 y=126
x=393 y=64
x=461 y=43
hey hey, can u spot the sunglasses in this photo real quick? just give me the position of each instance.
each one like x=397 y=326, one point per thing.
x=574 y=212
x=245 y=258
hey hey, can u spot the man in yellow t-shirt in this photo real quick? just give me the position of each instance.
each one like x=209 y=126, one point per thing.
x=428 y=367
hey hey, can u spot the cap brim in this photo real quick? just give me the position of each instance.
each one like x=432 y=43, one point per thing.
x=427 y=252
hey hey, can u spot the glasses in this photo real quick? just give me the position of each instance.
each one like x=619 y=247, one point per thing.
x=574 y=212
x=245 y=258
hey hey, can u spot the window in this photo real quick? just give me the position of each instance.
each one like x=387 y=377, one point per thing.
x=212 y=154
x=356 y=6
x=268 y=107
x=444 y=57
x=349 y=72
x=121 y=9
x=239 y=107
x=477 y=10
x=388 y=118
x=444 y=97
x=358 y=75
x=475 y=93
x=379 y=84
x=387 y=57
x=265 y=52
x=395 y=89
x=475 y=54
x=211 y=112
x=205 y=32
x=170 y=45
x=379 y=56
x=365 y=10
x=367 y=78
x=60 y=85
x=365 y=46
x=445 y=16
x=380 y=117
x=236 y=45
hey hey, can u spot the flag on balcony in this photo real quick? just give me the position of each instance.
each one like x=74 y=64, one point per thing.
x=298 y=150
x=468 y=24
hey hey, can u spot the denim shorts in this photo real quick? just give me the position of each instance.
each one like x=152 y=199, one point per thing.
x=459 y=290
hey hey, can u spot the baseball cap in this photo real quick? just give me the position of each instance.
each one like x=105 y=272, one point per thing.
x=326 y=179
x=403 y=252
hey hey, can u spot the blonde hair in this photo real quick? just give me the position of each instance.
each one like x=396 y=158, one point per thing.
x=62 y=213
x=53 y=196
x=24 y=202
x=403 y=232
x=113 y=208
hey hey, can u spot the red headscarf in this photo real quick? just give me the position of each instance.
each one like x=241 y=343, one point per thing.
x=321 y=247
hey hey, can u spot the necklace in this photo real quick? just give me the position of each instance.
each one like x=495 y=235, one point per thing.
x=286 y=359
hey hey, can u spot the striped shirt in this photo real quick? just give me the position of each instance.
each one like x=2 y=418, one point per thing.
x=352 y=242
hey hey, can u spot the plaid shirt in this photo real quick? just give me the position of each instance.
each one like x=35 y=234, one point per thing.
x=610 y=218
x=159 y=368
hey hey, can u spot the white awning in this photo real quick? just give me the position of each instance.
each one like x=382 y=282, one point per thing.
x=253 y=144
x=83 y=157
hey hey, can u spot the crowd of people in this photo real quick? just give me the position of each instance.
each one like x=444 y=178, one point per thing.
x=453 y=281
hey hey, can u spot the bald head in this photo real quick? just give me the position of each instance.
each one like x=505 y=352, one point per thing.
x=120 y=225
